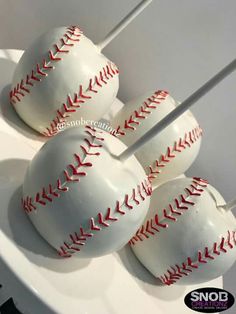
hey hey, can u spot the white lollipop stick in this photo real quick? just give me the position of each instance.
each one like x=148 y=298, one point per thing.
x=229 y=206
x=123 y=23
x=178 y=111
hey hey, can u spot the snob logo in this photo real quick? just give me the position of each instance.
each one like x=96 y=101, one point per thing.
x=209 y=300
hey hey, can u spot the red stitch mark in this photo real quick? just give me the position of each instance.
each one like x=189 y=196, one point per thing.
x=39 y=71
x=179 y=206
x=158 y=223
x=154 y=171
x=183 y=202
x=109 y=217
x=75 y=171
x=67 y=248
x=92 y=144
x=192 y=193
x=60 y=49
x=45 y=64
x=207 y=253
x=139 y=114
x=174 y=211
x=102 y=221
x=22 y=86
x=52 y=192
x=63 y=253
x=91 y=88
x=69 y=178
x=135 y=197
x=200 y=258
x=46 y=196
x=33 y=77
x=140 y=193
x=70 y=38
x=89 y=153
x=39 y=200
x=93 y=226
x=82 y=96
x=127 y=202
x=143 y=233
x=76 y=239
x=148 y=226
x=28 y=82
x=27 y=204
x=168 y=216
x=175 y=273
x=72 y=173
x=60 y=187
x=67 y=109
x=118 y=208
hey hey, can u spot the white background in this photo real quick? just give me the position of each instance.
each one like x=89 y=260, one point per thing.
x=173 y=45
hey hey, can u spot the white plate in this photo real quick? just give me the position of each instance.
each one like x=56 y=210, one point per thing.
x=39 y=281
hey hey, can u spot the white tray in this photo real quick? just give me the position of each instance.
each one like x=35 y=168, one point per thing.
x=38 y=280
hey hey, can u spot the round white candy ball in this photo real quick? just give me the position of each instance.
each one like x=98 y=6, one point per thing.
x=62 y=77
x=81 y=198
x=169 y=153
x=187 y=237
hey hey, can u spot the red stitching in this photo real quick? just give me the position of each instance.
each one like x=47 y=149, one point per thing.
x=38 y=73
x=100 y=222
x=175 y=210
x=137 y=115
x=173 y=274
x=179 y=146
x=80 y=97
x=72 y=173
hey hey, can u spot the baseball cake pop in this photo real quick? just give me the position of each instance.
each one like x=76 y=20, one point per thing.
x=171 y=152
x=80 y=197
x=189 y=234
x=63 y=76
x=86 y=193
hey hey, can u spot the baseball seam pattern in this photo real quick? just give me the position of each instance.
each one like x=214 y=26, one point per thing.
x=136 y=118
x=179 y=146
x=73 y=173
x=41 y=69
x=177 y=208
x=77 y=240
x=176 y=272
x=141 y=113
x=74 y=102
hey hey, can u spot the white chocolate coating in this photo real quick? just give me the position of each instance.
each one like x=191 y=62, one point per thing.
x=192 y=224
x=94 y=190
x=139 y=116
x=77 y=67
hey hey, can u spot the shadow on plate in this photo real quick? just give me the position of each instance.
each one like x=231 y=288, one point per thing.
x=145 y=279
x=17 y=226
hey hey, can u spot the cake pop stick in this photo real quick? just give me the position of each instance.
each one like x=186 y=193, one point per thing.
x=179 y=110
x=123 y=24
x=63 y=76
x=230 y=205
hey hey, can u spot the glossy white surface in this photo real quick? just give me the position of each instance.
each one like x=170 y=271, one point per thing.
x=154 y=107
x=202 y=223
x=81 y=65
x=43 y=283
x=116 y=283
x=98 y=182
